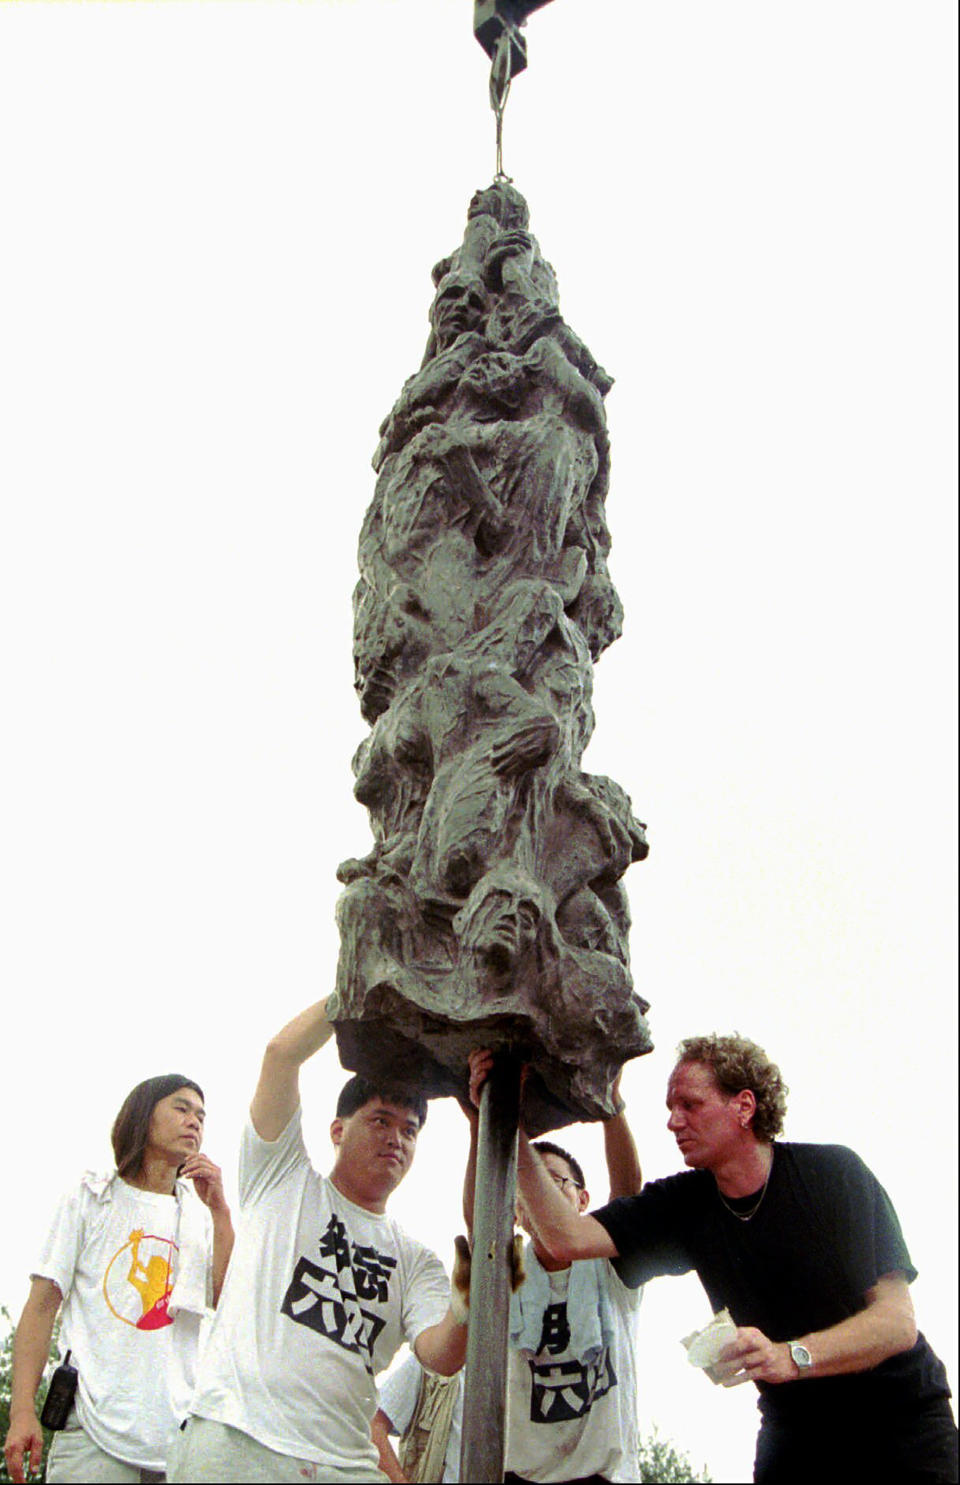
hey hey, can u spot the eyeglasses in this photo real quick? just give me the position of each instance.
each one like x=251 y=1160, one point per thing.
x=562 y=1182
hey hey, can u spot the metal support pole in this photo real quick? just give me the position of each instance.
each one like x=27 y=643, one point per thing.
x=484 y=1403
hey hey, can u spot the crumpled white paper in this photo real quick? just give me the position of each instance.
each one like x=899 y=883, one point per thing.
x=704 y=1346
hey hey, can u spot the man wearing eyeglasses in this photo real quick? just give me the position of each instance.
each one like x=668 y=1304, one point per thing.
x=571 y=1371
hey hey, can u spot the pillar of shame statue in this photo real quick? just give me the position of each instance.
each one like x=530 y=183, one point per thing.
x=490 y=911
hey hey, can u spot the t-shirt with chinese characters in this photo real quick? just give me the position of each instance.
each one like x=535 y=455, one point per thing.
x=568 y=1418
x=319 y=1296
x=113 y=1251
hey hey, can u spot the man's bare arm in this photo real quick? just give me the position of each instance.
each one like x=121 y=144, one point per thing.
x=470 y=1174
x=388 y=1461
x=31 y=1347
x=623 y=1162
x=278 y=1092
x=884 y=1327
x=442 y=1348
x=222 y=1248
x=561 y=1230
x=207 y=1178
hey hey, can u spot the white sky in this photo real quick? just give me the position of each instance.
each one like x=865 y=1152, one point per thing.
x=218 y=227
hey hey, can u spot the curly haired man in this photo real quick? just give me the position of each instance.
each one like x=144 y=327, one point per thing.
x=801 y=1244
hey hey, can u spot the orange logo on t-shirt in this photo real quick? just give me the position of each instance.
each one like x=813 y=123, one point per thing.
x=137 y=1288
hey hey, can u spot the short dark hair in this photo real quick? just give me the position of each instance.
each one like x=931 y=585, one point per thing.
x=547 y=1147
x=736 y=1064
x=358 y=1091
x=132 y=1125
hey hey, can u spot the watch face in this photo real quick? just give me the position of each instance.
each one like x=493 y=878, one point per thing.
x=800 y=1355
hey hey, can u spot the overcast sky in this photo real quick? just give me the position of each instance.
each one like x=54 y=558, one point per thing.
x=219 y=224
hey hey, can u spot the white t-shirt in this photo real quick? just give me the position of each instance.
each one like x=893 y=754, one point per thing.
x=319 y=1296
x=565 y=1419
x=113 y=1251
x=398 y=1398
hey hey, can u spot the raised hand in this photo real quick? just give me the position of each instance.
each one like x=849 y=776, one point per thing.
x=481 y=1061
x=207 y=1181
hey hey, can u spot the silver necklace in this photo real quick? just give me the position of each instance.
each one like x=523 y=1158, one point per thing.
x=751 y=1211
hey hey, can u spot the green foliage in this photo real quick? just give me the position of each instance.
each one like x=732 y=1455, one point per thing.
x=6 y=1377
x=658 y=1461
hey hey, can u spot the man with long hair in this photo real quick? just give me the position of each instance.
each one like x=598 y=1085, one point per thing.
x=135 y=1257
x=800 y=1243
x=323 y=1288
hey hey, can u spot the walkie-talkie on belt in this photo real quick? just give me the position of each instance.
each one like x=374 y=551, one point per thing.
x=60 y=1395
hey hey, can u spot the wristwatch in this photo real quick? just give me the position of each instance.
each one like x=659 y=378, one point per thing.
x=800 y=1355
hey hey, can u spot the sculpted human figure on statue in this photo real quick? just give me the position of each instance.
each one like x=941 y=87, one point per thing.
x=801 y=1244
x=571 y=1381
x=323 y=1286
x=135 y=1257
x=513 y=697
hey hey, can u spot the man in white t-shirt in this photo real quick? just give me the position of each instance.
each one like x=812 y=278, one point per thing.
x=135 y=1259
x=571 y=1364
x=323 y=1288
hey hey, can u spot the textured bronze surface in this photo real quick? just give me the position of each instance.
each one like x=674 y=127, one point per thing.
x=490 y=910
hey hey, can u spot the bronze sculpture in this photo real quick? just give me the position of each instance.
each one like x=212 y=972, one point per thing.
x=490 y=909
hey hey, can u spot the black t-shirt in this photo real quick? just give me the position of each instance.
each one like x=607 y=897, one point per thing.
x=823 y=1235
